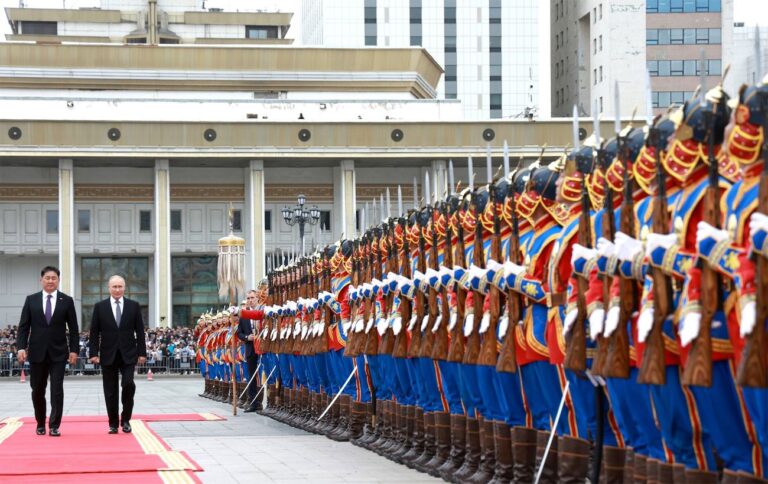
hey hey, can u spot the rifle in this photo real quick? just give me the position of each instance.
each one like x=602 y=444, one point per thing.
x=576 y=345
x=440 y=351
x=507 y=361
x=609 y=232
x=401 y=340
x=417 y=337
x=429 y=341
x=387 y=345
x=617 y=361
x=489 y=346
x=653 y=368
x=698 y=368
x=457 y=344
x=374 y=266
x=472 y=352
x=298 y=271
x=753 y=368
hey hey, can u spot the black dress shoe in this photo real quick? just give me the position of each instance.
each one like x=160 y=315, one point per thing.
x=252 y=408
x=127 y=428
x=54 y=433
x=40 y=431
x=113 y=430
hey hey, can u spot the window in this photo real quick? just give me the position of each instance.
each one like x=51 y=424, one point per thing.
x=96 y=271
x=601 y=43
x=38 y=28
x=601 y=73
x=84 y=220
x=676 y=68
x=145 y=221
x=594 y=46
x=653 y=68
x=52 y=221
x=663 y=99
x=495 y=101
x=679 y=68
x=260 y=32
x=601 y=104
x=652 y=37
x=715 y=67
x=195 y=289
x=594 y=76
x=175 y=220
x=682 y=6
x=237 y=220
x=682 y=36
x=594 y=15
x=600 y=10
x=268 y=220
x=325 y=220
x=676 y=36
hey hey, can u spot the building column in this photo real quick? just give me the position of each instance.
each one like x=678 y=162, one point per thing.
x=439 y=179
x=162 y=284
x=254 y=226
x=67 y=226
x=348 y=197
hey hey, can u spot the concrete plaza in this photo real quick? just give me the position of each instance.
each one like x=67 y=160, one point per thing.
x=246 y=448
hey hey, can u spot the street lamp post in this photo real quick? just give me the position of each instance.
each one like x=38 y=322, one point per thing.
x=301 y=216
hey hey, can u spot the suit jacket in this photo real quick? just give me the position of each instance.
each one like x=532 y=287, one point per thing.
x=243 y=331
x=51 y=339
x=106 y=338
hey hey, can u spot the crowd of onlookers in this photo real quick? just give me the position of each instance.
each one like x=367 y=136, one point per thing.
x=168 y=350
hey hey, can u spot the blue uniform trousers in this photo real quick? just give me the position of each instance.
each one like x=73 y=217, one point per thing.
x=449 y=372
x=408 y=392
x=470 y=391
x=513 y=405
x=486 y=375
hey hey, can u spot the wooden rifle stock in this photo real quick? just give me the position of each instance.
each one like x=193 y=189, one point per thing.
x=372 y=338
x=401 y=340
x=430 y=338
x=698 y=367
x=457 y=344
x=388 y=339
x=653 y=368
x=351 y=349
x=576 y=344
x=489 y=346
x=753 y=368
x=617 y=360
x=440 y=343
x=472 y=351
x=416 y=335
x=507 y=361
x=443 y=343
x=609 y=232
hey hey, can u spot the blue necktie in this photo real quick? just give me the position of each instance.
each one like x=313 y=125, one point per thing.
x=48 y=311
x=118 y=314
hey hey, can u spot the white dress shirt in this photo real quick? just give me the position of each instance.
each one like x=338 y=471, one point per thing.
x=55 y=294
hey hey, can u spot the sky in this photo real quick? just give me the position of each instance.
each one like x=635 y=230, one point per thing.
x=747 y=11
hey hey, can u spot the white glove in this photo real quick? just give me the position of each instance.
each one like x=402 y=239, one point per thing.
x=706 y=231
x=654 y=241
x=297 y=328
x=304 y=331
x=570 y=318
x=424 y=322
x=627 y=247
x=611 y=321
x=369 y=325
x=452 y=321
x=469 y=324
x=644 y=324
x=581 y=252
x=503 y=326
x=438 y=320
x=596 y=320
x=689 y=327
x=412 y=322
x=748 y=317
x=605 y=247
x=758 y=221
x=485 y=323
x=346 y=326
x=512 y=269
x=397 y=325
x=233 y=310
x=359 y=325
x=381 y=326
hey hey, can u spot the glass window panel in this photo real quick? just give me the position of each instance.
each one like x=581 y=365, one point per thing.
x=676 y=6
x=664 y=6
x=689 y=6
x=52 y=221
x=676 y=67
x=689 y=36
x=325 y=220
x=714 y=36
x=702 y=36
x=83 y=220
x=655 y=99
x=175 y=220
x=39 y=28
x=676 y=97
x=652 y=36
x=676 y=36
x=653 y=67
x=663 y=99
x=145 y=221
x=268 y=220
x=663 y=36
x=652 y=6
x=715 y=67
x=689 y=68
x=663 y=68
x=237 y=220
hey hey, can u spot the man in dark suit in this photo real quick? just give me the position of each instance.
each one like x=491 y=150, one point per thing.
x=247 y=329
x=117 y=343
x=45 y=319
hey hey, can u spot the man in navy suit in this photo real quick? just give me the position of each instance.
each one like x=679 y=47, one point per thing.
x=45 y=319
x=247 y=330
x=117 y=343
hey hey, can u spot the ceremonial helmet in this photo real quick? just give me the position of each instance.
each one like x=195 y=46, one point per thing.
x=596 y=179
x=633 y=143
x=518 y=181
x=644 y=168
x=691 y=128
x=541 y=189
x=744 y=140
x=578 y=164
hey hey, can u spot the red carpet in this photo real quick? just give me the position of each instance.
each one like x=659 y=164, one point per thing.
x=86 y=453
